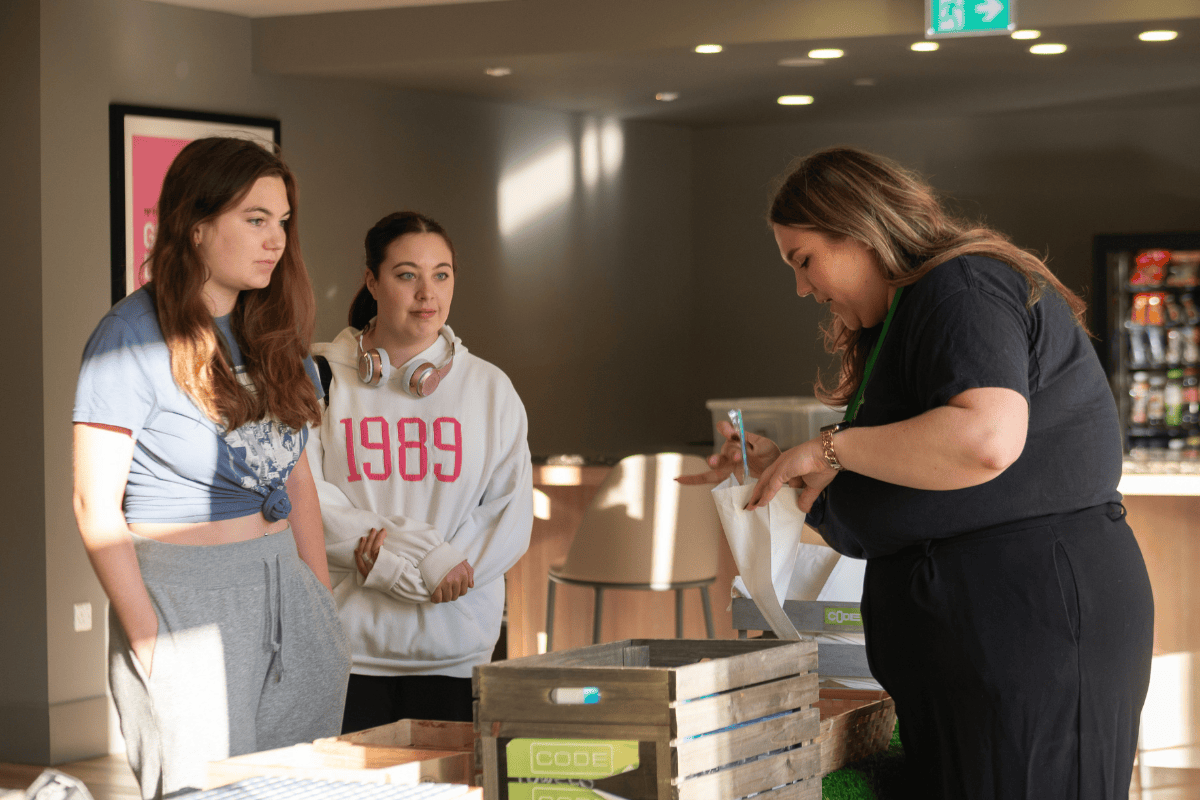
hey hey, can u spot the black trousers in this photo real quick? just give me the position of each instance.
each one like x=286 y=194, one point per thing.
x=1018 y=657
x=373 y=700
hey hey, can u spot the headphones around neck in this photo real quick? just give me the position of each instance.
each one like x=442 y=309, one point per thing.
x=421 y=378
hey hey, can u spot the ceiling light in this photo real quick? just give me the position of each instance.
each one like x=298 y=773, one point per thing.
x=1048 y=49
x=923 y=47
x=667 y=97
x=864 y=81
x=795 y=100
x=1026 y=34
x=800 y=62
x=1157 y=36
x=498 y=72
x=831 y=52
x=708 y=48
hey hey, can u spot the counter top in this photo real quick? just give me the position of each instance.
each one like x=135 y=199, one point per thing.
x=1132 y=483
x=1159 y=484
x=561 y=475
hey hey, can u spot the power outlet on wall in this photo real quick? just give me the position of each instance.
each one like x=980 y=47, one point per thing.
x=83 y=617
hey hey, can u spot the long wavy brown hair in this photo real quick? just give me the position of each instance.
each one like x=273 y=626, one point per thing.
x=273 y=325
x=846 y=192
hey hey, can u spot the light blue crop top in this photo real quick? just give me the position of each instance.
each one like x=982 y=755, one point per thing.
x=185 y=468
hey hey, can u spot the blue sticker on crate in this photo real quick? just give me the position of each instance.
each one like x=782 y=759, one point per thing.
x=575 y=696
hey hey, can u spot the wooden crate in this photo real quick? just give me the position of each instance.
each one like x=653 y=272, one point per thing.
x=855 y=723
x=405 y=752
x=667 y=719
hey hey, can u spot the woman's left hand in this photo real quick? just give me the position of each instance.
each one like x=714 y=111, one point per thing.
x=368 y=550
x=803 y=467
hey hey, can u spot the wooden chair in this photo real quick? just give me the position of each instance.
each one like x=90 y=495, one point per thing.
x=643 y=530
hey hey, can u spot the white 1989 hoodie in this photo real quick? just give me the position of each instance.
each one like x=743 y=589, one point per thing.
x=449 y=478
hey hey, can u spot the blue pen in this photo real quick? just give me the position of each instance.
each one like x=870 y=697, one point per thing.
x=735 y=416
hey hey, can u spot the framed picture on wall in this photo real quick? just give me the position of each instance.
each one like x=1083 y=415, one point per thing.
x=142 y=143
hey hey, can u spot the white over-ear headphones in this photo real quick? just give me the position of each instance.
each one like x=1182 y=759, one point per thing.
x=421 y=378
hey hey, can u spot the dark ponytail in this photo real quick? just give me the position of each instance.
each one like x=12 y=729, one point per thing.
x=364 y=308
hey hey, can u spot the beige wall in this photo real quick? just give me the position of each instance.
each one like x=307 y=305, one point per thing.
x=1049 y=179
x=23 y=676
x=613 y=310
x=539 y=300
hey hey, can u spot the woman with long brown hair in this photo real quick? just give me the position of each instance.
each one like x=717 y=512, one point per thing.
x=193 y=494
x=1006 y=605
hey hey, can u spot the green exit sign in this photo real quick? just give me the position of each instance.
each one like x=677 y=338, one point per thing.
x=969 y=17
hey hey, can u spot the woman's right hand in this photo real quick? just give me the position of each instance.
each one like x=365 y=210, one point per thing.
x=455 y=584
x=367 y=551
x=761 y=453
x=143 y=650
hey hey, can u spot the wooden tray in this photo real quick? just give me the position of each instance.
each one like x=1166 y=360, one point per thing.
x=855 y=723
x=404 y=752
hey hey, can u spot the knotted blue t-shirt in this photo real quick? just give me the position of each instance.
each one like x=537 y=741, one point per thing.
x=185 y=468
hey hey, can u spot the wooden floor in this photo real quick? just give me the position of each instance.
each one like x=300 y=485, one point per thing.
x=109 y=778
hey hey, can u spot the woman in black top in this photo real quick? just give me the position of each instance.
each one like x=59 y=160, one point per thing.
x=1006 y=605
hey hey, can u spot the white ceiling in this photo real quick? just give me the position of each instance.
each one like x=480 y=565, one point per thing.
x=610 y=57
x=279 y=8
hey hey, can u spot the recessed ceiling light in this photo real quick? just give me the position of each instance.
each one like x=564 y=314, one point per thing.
x=1048 y=49
x=1157 y=36
x=709 y=48
x=795 y=100
x=830 y=52
x=1026 y=34
x=800 y=62
x=923 y=47
x=498 y=72
x=864 y=81
x=667 y=97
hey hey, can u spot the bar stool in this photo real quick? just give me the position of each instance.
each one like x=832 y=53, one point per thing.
x=643 y=530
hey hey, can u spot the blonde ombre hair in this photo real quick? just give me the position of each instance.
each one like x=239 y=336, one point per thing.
x=846 y=192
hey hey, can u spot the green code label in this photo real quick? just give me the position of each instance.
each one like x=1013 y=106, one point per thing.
x=575 y=759
x=842 y=616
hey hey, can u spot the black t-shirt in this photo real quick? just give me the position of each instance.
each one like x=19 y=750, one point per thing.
x=965 y=325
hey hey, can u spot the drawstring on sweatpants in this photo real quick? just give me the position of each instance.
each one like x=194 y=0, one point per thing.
x=275 y=618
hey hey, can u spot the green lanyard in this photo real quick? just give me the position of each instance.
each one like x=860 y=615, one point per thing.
x=852 y=409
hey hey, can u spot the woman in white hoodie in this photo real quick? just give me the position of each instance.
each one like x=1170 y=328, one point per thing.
x=423 y=471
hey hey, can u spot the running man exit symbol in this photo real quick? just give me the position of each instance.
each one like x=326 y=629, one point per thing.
x=969 y=17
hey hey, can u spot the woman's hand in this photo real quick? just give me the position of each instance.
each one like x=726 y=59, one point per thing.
x=368 y=550
x=761 y=452
x=143 y=650
x=455 y=584
x=803 y=467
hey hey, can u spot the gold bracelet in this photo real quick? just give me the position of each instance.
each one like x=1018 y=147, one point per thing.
x=828 y=452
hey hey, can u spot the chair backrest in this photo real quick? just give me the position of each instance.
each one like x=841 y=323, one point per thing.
x=644 y=527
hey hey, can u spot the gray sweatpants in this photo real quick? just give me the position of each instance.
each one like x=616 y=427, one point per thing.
x=250 y=656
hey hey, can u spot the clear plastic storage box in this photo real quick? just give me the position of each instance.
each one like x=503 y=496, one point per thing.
x=787 y=421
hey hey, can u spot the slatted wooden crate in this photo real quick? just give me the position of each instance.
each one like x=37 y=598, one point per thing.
x=652 y=720
x=404 y=752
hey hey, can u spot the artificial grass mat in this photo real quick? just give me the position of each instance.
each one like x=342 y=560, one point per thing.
x=876 y=777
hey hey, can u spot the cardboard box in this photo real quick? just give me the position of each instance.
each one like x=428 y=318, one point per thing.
x=666 y=719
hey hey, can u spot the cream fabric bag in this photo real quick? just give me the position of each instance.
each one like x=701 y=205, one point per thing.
x=765 y=544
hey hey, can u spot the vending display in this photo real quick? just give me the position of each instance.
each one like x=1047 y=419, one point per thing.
x=1149 y=329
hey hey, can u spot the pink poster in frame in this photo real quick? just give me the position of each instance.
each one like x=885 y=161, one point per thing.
x=143 y=143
